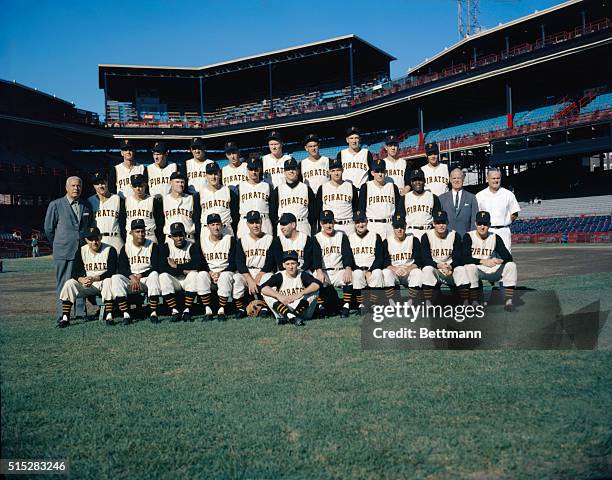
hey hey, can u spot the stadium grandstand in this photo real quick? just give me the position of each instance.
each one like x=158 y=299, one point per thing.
x=532 y=96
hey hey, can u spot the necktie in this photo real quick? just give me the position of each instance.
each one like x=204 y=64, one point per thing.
x=457 y=202
x=75 y=208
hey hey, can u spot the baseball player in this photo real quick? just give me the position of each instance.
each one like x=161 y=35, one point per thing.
x=179 y=261
x=119 y=175
x=195 y=167
x=356 y=161
x=137 y=271
x=291 y=293
x=273 y=162
x=143 y=206
x=442 y=252
x=235 y=172
x=254 y=195
x=402 y=261
x=160 y=170
x=94 y=266
x=295 y=197
x=487 y=258
x=290 y=238
x=379 y=199
x=254 y=257
x=218 y=198
x=436 y=173
x=219 y=255
x=419 y=205
x=109 y=212
x=367 y=249
x=397 y=168
x=315 y=167
x=501 y=205
x=340 y=197
x=332 y=261
x=178 y=207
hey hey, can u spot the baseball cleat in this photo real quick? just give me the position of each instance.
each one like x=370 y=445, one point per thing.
x=109 y=322
x=241 y=314
x=154 y=318
x=187 y=317
x=508 y=307
x=63 y=323
x=176 y=317
x=298 y=322
x=345 y=312
x=264 y=312
x=321 y=312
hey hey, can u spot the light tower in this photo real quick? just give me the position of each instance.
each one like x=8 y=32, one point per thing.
x=468 y=12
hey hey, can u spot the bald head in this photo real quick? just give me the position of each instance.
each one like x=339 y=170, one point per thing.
x=74 y=186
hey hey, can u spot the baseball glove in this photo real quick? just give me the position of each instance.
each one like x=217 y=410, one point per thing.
x=255 y=307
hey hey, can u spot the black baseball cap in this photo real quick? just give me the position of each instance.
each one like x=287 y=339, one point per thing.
x=126 y=144
x=177 y=228
x=391 y=140
x=286 y=218
x=196 y=142
x=212 y=167
x=291 y=164
x=399 y=221
x=290 y=255
x=231 y=147
x=92 y=232
x=311 y=138
x=253 y=217
x=379 y=166
x=327 y=216
x=253 y=163
x=275 y=135
x=483 y=218
x=359 y=216
x=352 y=131
x=213 y=218
x=440 y=217
x=335 y=163
x=160 y=147
x=417 y=174
x=137 y=179
x=98 y=177
x=177 y=176
x=137 y=224
x=432 y=148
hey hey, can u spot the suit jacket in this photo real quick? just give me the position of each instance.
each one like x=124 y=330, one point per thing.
x=464 y=220
x=63 y=228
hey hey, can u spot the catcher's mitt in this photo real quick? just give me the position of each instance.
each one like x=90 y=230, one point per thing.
x=255 y=307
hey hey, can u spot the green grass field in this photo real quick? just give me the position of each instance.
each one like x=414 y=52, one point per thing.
x=248 y=399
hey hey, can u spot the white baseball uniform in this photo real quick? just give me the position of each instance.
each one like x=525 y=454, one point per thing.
x=419 y=211
x=274 y=169
x=232 y=176
x=396 y=171
x=122 y=176
x=315 y=172
x=342 y=200
x=254 y=196
x=180 y=209
x=196 y=174
x=402 y=253
x=109 y=215
x=485 y=248
x=356 y=166
x=159 y=178
x=92 y=264
x=365 y=253
x=141 y=260
x=441 y=251
x=436 y=178
x=220 y=257
x=141 y=209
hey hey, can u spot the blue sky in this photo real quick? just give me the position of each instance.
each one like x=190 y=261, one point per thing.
x=55 y=46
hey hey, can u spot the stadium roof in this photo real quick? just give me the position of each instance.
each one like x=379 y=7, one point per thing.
x=15 y=84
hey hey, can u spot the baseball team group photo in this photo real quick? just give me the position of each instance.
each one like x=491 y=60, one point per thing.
x=197 y=263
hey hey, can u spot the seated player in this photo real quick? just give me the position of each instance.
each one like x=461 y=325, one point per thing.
x=487 y=258
x=138 y=268
x=179 y=261
x=368 y=255
x=218 y=268
x=94 y=266
x=290 y=238
x=442 y=259
x=332 y=261
x=291 y=293
x=402 y=261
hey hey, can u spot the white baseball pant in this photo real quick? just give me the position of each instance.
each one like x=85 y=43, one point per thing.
x=506 y=272
x=170 y=284
x=431 y=276
x=412 y=280
x=149 y=285
x=505 y=234
x=72 y=290
x=225 y=283
x=385 y=230
x=376 y=280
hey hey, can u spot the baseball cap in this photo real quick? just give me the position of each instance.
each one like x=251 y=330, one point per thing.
x=126 y=144
x=311 y=138
x=417 y=174
x=327 y=216
x=440 y=217
x=432 y=148
x=137 y=224
x=212 y=168
x=92 y=232
x=231 y=147
x=137 y=179
x=275 y=135
x=98 y=177
x=352 y=131
x=213 y=218
x=379 y=166
x=335 y=163
x=483 y=218
x=177 y=176
x=291 y=164
x=359 y=216
x=286 y=218
x=253 y=217
x=391 y=140
x=197 y=142
x=290 y=255
x=399 y=221
x=177 y=228
x=160 y=147
x=253 y=163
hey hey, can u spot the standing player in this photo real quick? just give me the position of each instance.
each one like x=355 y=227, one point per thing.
x=273 y=162
x=443 y=259
x=109 y=212
x=179 y=261
x=291 y=293
x=139 y=205
x=160 y=170
x=487 y=258
x=356 y=161
x=339 y=197
x=380 y=200
x=293 y=196
x=402 y=261
x=291 y=239
x=196 y=167
x=219 y=267
x=235 y=172
x=332 y=261
x=93 y=268
x=254 y=195
x=436 y=173
x=315 y=167
x=501 y=204
x=218 y=198
x=137 y=271
x=397 y=168
x=119 y=176
x=419 y=205
x=179 y=207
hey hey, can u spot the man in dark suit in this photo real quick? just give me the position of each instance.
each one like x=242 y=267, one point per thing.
x=460 y=206
x=67 y=217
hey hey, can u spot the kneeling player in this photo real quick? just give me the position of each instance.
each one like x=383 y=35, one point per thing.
x=487 y=258
x=291 y=293
x=442 y=259
x=137 y=270
x=178 y=262
x=93 y=269
x=402 y=260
